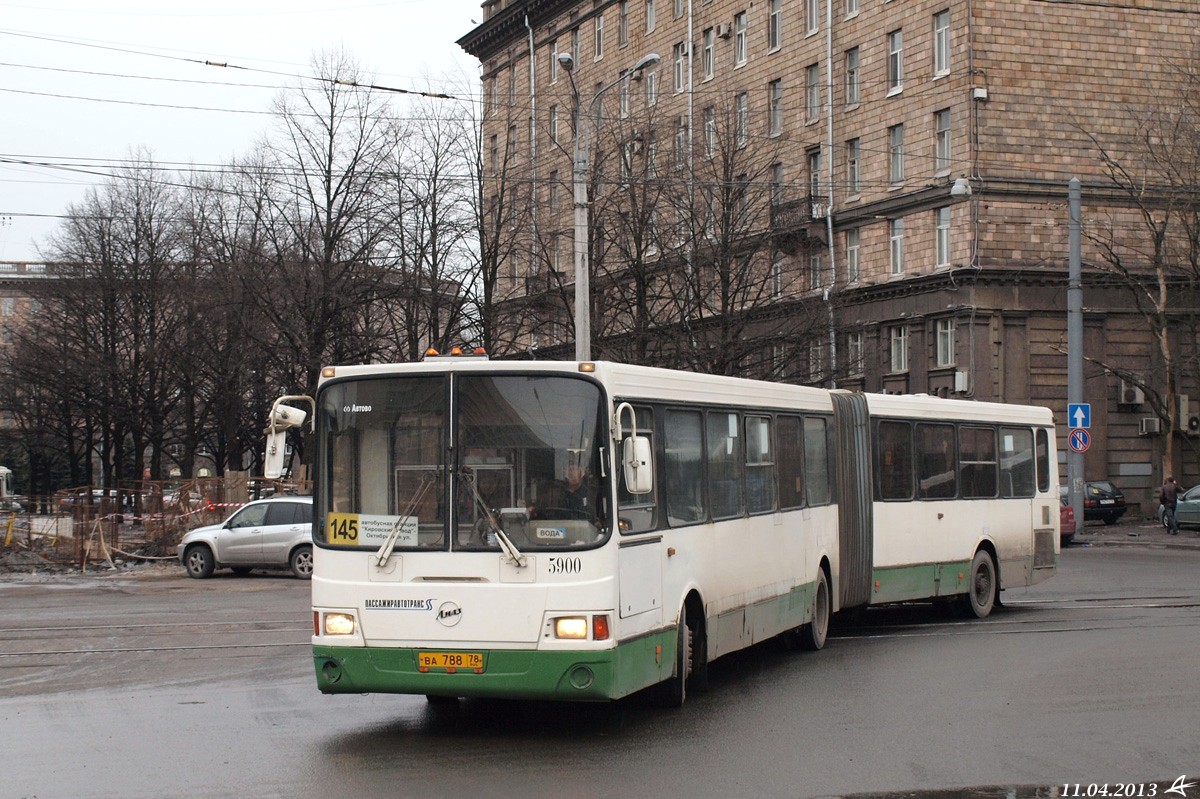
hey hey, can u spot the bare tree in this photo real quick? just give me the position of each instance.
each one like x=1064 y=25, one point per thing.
x=1148 y=239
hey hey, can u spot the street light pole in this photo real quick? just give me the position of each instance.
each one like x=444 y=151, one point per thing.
x=583 y=310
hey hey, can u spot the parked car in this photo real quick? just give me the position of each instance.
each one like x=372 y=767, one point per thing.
x=1066 y=521
x=1187 y=509
x=1102 y=501
x=266 y=534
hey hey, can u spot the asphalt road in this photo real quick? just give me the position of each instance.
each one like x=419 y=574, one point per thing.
x=159 y=686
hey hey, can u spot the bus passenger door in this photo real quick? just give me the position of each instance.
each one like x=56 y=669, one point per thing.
x=640 y=547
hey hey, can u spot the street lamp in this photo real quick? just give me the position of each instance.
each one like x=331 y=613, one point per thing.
x=583 y=312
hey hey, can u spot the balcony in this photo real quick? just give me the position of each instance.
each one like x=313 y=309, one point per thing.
x=793 y=221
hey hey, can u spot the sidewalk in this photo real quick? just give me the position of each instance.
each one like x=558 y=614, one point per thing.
x=1135 y=532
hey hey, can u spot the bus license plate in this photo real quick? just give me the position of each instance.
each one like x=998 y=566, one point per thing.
x=450 y=661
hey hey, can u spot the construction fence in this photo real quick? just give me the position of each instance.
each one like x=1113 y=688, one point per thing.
x=88 y=524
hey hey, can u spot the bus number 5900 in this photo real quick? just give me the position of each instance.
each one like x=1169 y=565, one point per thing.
x=565 y=566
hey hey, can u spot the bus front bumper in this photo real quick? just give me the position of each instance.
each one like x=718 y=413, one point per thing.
x=579 y=675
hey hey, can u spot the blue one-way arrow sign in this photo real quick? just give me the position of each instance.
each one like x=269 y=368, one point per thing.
x=1079 y=414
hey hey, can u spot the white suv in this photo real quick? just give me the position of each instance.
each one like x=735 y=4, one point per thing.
x=268 y=534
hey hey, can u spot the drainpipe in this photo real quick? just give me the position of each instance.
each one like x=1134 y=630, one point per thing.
x=833 y=362
x=533 y=162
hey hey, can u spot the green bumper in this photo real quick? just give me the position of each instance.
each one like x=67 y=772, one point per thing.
x=589 y=675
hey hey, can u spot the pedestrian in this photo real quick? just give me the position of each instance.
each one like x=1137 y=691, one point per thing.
x=1168 y=495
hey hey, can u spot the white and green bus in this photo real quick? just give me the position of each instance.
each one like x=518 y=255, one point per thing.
x=562 y=530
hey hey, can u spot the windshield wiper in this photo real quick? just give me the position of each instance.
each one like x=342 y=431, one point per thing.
x=389 y=544
x=493 y=524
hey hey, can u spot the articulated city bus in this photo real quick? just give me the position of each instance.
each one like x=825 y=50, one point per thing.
x=565 y=530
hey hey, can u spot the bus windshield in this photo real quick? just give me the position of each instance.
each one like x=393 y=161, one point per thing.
x=521 y=456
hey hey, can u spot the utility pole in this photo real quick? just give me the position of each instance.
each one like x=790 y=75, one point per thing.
x=1075 y=474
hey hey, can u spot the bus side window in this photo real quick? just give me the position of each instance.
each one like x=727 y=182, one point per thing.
x=978 y=462
x=791 y=462
x=683 y=467
x=1016 y=462
x=760 y=465
x=725 y=465
x=937 y=475
x=895 y=460
x=1043 y=460
x=816 y=461
x=637 y=513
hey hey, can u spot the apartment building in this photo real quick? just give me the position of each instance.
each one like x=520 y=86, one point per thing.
x=916 y=154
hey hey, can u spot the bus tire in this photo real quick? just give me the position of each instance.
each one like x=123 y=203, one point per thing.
x=981 y=586
x=813 y=634
x=672 y=692
x=198 y=561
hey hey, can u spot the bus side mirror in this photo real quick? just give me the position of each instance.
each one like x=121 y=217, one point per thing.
x=638 y=463
x=275 y=455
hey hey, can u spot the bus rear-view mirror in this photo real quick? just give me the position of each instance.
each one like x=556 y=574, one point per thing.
x=639 y=468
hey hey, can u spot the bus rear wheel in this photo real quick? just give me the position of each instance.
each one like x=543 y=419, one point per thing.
x=813 y=634
x=981 y=586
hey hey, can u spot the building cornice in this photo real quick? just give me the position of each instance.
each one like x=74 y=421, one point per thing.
x=508 y=25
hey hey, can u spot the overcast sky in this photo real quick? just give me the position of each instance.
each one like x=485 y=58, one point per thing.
x=82 y=83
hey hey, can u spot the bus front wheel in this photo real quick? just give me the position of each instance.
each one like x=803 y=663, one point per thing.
x=981 y=586
x=691 y=666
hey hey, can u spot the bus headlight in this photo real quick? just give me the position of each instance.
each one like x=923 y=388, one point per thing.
x=571 y=627
x=339 y=624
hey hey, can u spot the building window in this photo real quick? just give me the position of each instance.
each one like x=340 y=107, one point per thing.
x=774 y=24
x=652 y=157
x=626 y=86
x=852 y=76
x=775 y=107
x=898 y=340
x=553 y=124
x=895 y=63
x=812 y=159
x=681 y=140
x=740 y=22
x=680 y=66
x=650 y=16
x=853 y=237
x=651 y=86
x=623 y=23
x=575 y=46
x=777 y=183
x=599 y=37
x=815 y=277
x=552 y=202
x=494 y=154
x=945 y=342
x=708 y=55
x=851 y=8
x=680 y=6
x=777 y=274
x=854 y=353
x=742 y=103
x=710 y=132
x=8 y=307
x=896 y=241
x=554 y=61
x=941 y=43
x=941 y=218
x=853 y=173
x=812 y=92
x=815 y=349
x=941 y=139
x=812 y=15
x=896 y=153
